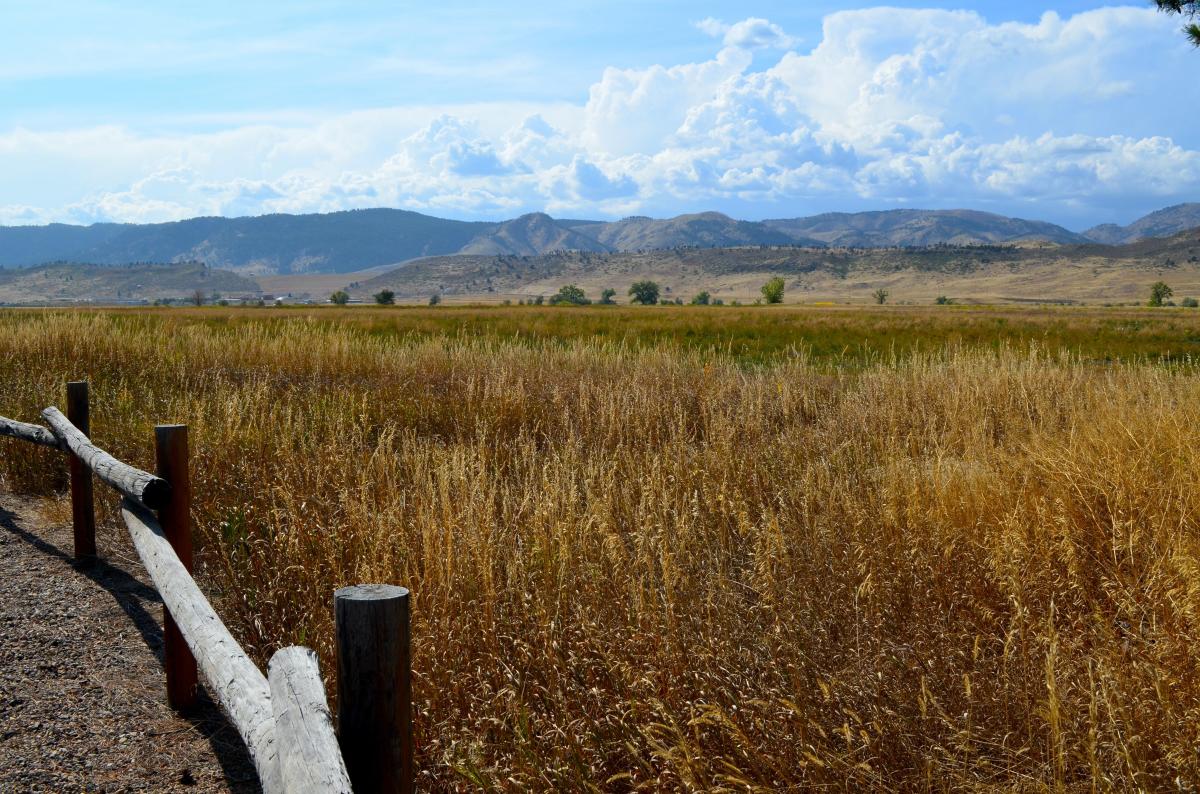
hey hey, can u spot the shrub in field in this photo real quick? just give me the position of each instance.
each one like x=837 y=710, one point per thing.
x=569 y=294
x=880 y=295
x=1190 y=303
x=435 y=299
x=1159 y=293
x=385 y=297
x=339 y=298
x=772 y=291
x=607 y=296
x=942 y=300
x=644 y=292
x=702 y=298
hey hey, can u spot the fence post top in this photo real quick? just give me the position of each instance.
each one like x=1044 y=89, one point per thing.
x=289 y=652
x=371 y=592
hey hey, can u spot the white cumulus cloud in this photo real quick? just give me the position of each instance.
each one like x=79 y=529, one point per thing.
x=753 y=33
x=1067 y=118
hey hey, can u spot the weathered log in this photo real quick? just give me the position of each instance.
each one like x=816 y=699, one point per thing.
x=310 y=761
x=375 y=687
x=35 y=434
x=239 y=685
x=141 y=486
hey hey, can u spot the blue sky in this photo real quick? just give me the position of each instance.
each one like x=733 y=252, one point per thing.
x=138 y=111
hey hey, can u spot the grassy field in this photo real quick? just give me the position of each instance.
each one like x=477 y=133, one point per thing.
x=697 y=549
x=826 y=336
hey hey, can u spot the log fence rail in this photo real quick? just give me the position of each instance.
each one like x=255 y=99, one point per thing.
x=283 y=718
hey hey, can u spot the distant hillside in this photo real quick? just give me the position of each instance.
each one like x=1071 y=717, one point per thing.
x=1076 y=273
x=705 y=230
x=73 y=281
x=334 y=242
x=1163 y=223
x=484 y=276
x=33 y=245
x=920 y=227
x=528 y=235
x=343 y=242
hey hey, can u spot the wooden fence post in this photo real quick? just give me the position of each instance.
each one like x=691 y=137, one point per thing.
x=375 y=687
x=171 y=457
x=83 y=510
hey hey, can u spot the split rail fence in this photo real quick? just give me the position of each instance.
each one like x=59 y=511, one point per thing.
x=283 y=717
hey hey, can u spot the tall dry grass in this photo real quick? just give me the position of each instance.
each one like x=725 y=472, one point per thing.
x=655 y=570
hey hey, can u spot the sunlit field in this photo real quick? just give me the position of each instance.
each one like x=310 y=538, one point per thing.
x=696 y=549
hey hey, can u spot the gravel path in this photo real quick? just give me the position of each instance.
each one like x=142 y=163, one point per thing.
x=82 y=695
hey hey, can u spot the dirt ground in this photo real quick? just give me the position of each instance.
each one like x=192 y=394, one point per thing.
x=82 y=693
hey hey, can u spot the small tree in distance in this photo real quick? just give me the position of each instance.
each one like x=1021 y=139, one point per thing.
x=339 y=298
x=385 y=297
x=1160 y=293
x=198 y=297
x=773 y=290
x=644 y=292
x=607 y=295
x=702 y=298
x=435 y=299
x=570 y=294
x=881 y=296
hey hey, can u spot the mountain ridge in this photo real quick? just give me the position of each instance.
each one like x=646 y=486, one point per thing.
x=353 y=240
x=912 y=227
x=699 y=229
x=331 y=242
x=1160 y=223
x=529 y=235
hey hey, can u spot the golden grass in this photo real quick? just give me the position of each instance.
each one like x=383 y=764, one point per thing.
x=650 y=567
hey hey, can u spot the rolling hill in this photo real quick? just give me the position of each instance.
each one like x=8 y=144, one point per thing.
x=703 y=230
x=528 y=235
x=1081 y=273
x=920 y=227
x=332 y=242
x=74 y=281
x=1163 y=223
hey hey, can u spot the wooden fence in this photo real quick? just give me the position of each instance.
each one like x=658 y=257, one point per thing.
x=282 y=717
